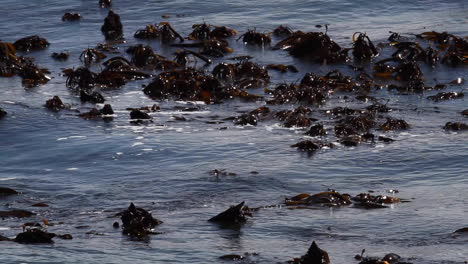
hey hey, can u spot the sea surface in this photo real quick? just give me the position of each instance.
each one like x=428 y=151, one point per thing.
x=88 y=170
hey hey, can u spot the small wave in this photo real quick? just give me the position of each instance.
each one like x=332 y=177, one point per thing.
x=8 y=179
x=77 y=137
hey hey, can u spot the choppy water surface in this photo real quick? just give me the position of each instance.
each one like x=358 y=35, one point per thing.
x=89 y=170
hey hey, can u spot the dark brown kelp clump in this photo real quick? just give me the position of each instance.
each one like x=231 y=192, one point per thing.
x=71 y=17
x=455 y=126
x=5 y=191
x=168 y=33
x=221 y=32
x=414 y=52
x=3 y=113
x=363 y=48
x=205 y=31
x=240 y=72
x=184 y=57
x=33 y=75
x=329 y=198
x=313 y=89
x=35 y=236
x=7 y=54
x=252 y=37
x=200 y=32
x=296 y=118
x=394 y=124
x=234 y=215
x=453 y=49
x=149 y=32
x=311 y=146
x=210 y=47
x=81 y=78
x=282 y=31
x=302 y=93
x=89 y=56
x=145 y=57
x=186 y=84
x=332 y=198
x=105 y=3
x=252 y=117
x=368 y=201
x=92 y=97
x=445 y=96
x=95 y=113
x=138 y=114
x=215 y=48
x=316 y=46
x=316 y=131
x=117 y=72
x=246 y=119
x=164 y=31
x=314 y=255
x=282 y=68
x=112 y=28
x=55 y=104
x=60 y=56
x=390 y=258
x=406 y=71
x=31 y=43
x=242 y=75
x=138 y=222
x=11 y=65
x=359 y=124
x=16 y=213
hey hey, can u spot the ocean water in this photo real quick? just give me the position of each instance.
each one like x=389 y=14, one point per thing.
x=87 y=171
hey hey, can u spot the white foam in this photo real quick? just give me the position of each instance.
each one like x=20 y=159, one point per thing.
x=191 y=102
x=135 y=92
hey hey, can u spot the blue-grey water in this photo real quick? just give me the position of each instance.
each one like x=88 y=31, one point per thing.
x=89 y=170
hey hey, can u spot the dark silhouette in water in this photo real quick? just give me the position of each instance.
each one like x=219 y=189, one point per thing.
x=112 y=28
